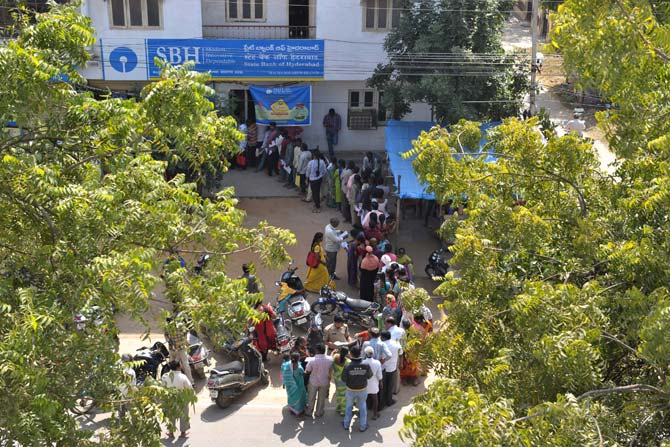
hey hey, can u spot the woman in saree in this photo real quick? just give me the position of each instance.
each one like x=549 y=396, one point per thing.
x=415 y=334
x=340 y=361
x=317 y=273
x=294 y=383
x=369 y=267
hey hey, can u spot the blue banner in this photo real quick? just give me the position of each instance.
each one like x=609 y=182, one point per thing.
x=241 y=59
x=286 y=106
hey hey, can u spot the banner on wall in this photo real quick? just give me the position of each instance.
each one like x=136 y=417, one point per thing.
x=287 y=106
x=240 y=59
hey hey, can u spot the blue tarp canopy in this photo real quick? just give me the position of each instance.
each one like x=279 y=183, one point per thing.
x=399 y=137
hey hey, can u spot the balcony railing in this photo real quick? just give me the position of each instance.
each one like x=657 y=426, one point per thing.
x=258 y=32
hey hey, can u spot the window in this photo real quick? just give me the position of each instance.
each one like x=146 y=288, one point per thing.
x=382 y=15
x=246 y=10
x=363 y=109
x=363 y=99
x=135 y=13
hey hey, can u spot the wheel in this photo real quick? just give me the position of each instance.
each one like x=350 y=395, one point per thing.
x=83 y=405
x=430 y=272
x=222 y=401
x=323 y=308
x=265 y=377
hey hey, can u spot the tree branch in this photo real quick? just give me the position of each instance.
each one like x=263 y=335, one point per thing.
x=636 y=388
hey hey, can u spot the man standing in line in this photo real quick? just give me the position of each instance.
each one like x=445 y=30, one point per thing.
x=390 y=369
x=380 y=352
x=397 y=334
x=333 y=239
x=316 y=169
x=176 y=379
x=303 y=161
x=333 y=123
x=355 y=376
x=318 y=387
x=374 y=382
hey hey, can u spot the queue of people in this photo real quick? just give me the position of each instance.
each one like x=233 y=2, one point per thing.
x=366 y=371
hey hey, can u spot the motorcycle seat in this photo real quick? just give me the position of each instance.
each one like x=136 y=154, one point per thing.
x=357 y=304
x=234 y=367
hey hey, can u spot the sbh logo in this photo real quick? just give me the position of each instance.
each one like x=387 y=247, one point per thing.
x=178 y=55
x=123 y=59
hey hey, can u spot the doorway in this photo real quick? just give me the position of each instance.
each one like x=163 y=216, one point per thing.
x=298 y=19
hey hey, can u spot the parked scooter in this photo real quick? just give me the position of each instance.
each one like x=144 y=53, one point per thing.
x=153 y=359
x=359 y=312
x=437 y=263
x=292 y=299
x=198 y=355
x=232 y=379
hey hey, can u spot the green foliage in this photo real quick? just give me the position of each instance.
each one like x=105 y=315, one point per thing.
x=448 y=54
x=88 y=220
x=557 y=315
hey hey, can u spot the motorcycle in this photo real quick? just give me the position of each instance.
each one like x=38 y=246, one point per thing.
x=283 y=334
x=153 y=359
x=359 y=312
x=198 y=355
x=437 y=263
x=232 y=379
x=292 y=299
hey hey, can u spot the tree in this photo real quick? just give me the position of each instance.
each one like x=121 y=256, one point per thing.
x=88 y=219
x=448 y=54
x=556 y=329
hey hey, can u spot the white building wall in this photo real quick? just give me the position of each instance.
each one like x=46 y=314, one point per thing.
x=351 y=53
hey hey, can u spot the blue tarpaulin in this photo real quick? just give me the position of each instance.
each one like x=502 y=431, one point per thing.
x=399 y=137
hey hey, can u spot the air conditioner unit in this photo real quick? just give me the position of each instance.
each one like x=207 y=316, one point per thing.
x=365 y=119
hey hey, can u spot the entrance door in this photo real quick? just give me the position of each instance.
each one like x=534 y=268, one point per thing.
x=298 y=19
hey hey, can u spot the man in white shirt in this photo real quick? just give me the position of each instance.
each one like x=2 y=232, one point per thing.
x=390 y=367
x=177 y=379
x=396 y=331
x=333 y=242
x=316 y=170
x=397 y=334
x=374 y=382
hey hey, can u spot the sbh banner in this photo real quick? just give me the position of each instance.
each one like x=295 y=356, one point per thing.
x=241 y=59
x=287 y=106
